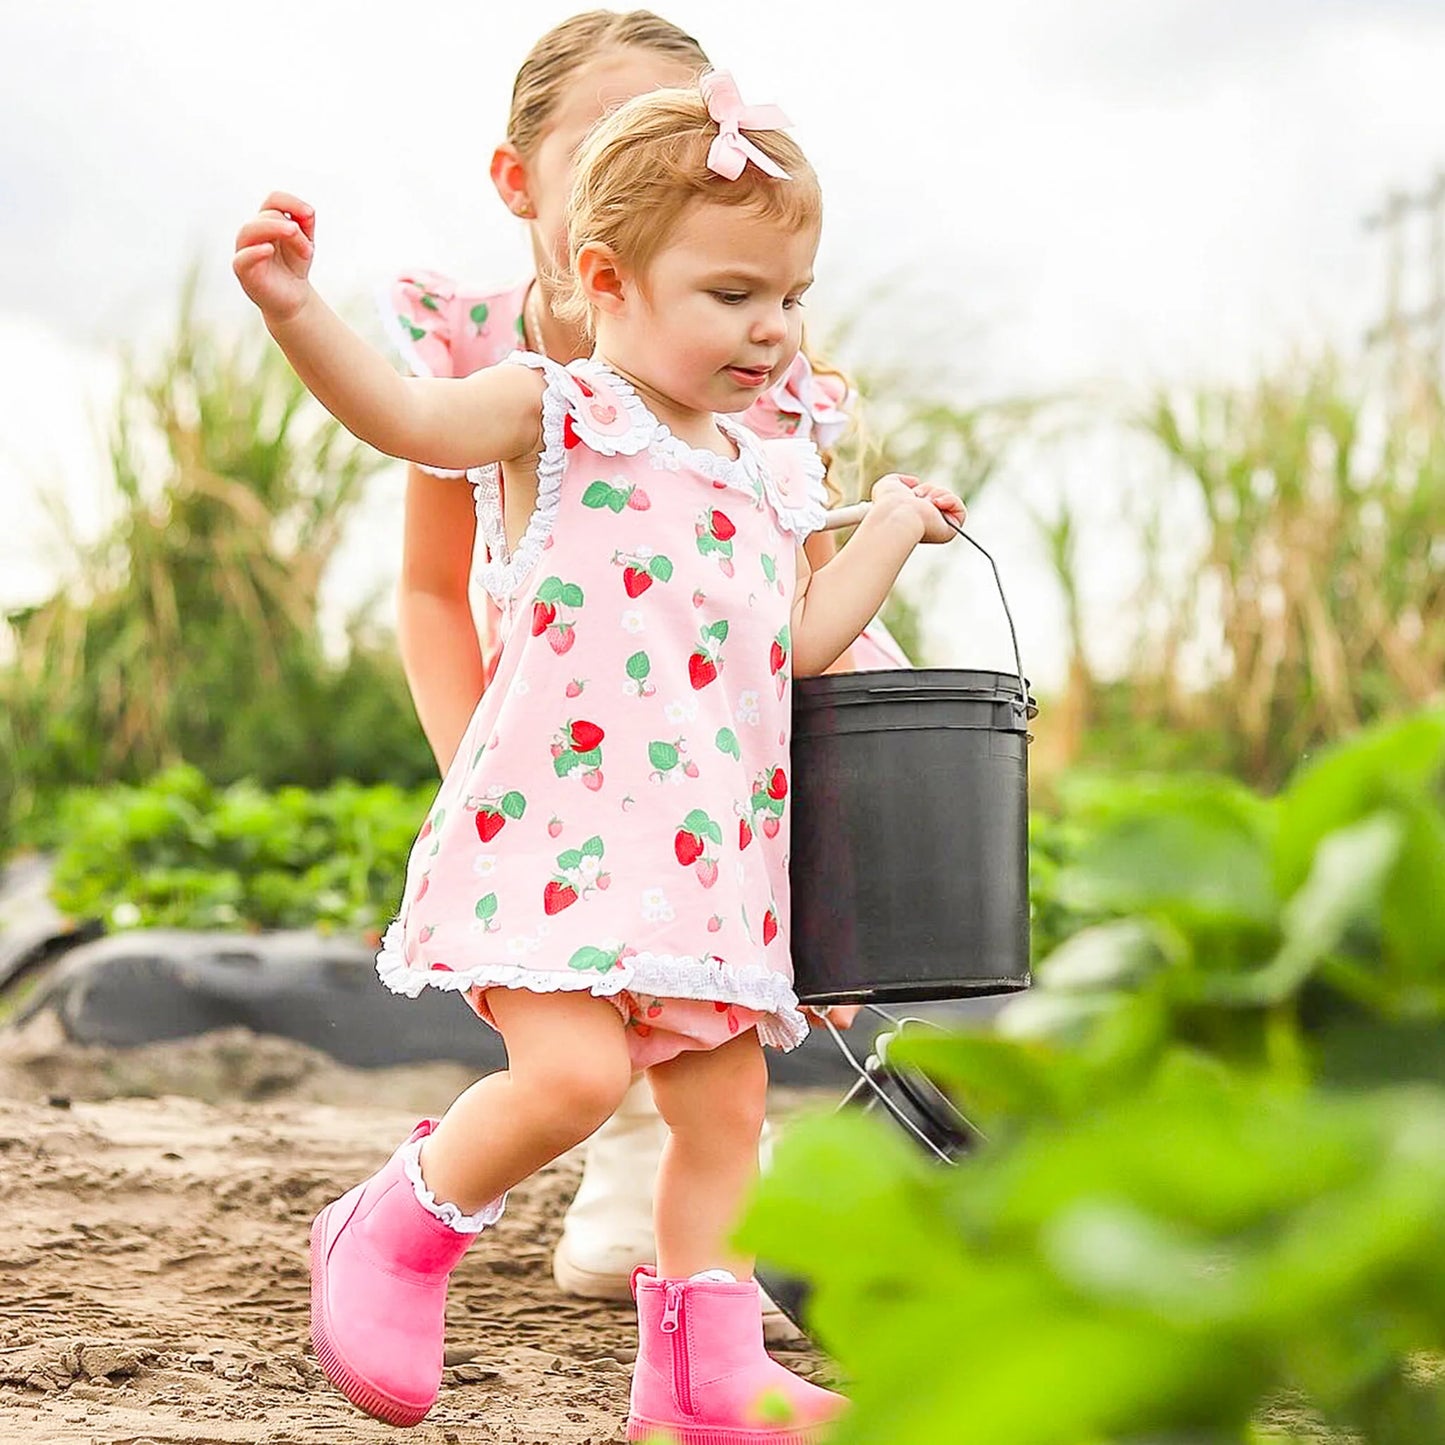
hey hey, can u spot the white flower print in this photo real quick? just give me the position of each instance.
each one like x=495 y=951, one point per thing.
x=590 y=867
x=643 y=554
x=631 y=688
x=748 y=707
x=518 y=946
x=520 y=687
x=484 y=865
x=681 y=710
x=655 y=907
x=631 y=622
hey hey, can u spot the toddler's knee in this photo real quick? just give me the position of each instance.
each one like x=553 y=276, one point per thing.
x=741 y=1111
x=582 y=1093
x=731 y=1108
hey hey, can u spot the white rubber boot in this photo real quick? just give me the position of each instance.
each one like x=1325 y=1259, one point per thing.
x=607 y=1230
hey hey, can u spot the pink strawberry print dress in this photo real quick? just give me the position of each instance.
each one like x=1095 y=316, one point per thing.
x=617 y=816
x=443 y=328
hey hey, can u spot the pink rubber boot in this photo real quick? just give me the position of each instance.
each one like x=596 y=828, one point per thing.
x=379 y=1266
x=703 y=1377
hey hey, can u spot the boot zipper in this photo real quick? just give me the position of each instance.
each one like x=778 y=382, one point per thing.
x=674 y=1323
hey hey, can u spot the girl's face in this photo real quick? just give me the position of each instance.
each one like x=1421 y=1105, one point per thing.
x=716 y=319
x=598 y=87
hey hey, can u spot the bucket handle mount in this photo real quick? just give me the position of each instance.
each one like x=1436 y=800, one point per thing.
x=850 y=517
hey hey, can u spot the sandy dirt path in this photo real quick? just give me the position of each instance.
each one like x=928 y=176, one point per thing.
x=153 y=1283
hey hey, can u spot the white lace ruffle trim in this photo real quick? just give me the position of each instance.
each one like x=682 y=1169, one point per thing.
x=487 y=499
x=505 y=571
x=662 y=975
x=449 y=1214
x=805 y=519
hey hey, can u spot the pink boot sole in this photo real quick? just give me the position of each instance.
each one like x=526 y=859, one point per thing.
x=643 y=1430
x=361 y=1394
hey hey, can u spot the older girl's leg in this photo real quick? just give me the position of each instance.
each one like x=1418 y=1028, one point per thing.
x=713 y=1102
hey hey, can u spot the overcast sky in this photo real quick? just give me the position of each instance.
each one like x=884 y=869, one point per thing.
x=1062 y=194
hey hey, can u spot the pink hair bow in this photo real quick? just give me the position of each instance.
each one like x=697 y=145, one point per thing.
x=732 y=150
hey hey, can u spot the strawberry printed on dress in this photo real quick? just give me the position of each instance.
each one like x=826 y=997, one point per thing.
x=577 y=748
x=706 y=660
x=640 y=569
x=603 y=496
x=778 y=656
x=764 y=809
x=579 y=874
x=690 y=846
x=715 y=531
x=670 y=762
x=493 y=810
x=553 y=613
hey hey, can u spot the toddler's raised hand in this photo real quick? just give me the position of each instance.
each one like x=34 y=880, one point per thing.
x=273 y=255
x=934 y=506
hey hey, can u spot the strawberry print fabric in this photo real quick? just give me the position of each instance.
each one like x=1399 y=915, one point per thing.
x=617 y=817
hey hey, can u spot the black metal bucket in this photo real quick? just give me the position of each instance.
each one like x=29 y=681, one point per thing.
x=910 y=1100
x=910 y=862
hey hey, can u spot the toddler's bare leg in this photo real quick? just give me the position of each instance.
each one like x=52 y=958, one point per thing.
x=713 y=1102
x=567 y=1070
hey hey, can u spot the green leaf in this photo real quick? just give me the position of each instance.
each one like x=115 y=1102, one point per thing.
x=569 y=860
x=639 y=665
x=718 y=629
x=592 y=958
x=617 y=501
x=711 y=830
x=697 y=821
x=1378 y=768
x=1344 y=889
x=429 y=301
x=593 y=848
x=564 y=763
x=727 y=742
x=480 y=312
x=707 y=545
x=590 y=759
x=663 y=756
x=550 y=590
x=597 y=495
x=770 y=568
x=487 y=907
x=572 y=595
x=417 y=332
x=1195 y=850
x=514 y=804
x=661 y=568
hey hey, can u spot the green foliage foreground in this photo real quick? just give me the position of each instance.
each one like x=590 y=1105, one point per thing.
x=1215 y=1168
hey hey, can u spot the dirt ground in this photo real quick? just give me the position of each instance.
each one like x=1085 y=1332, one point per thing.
x=153 y=1276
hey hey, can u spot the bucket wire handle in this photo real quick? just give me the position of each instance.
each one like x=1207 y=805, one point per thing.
x=852 y=515
x=865 y=1078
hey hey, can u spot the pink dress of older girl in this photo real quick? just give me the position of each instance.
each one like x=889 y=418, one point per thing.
x=442 y=328
x=617 y=816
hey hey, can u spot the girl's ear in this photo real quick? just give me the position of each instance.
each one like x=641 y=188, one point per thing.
x=509 y=176
x=604 y=283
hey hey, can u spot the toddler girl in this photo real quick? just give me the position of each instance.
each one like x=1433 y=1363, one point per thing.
x=604 y=871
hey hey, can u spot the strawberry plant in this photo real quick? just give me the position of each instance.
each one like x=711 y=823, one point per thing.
x=1214 y=1170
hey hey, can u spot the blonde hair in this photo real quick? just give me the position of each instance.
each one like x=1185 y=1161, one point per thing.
x=565 y=49
x=644 y=166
